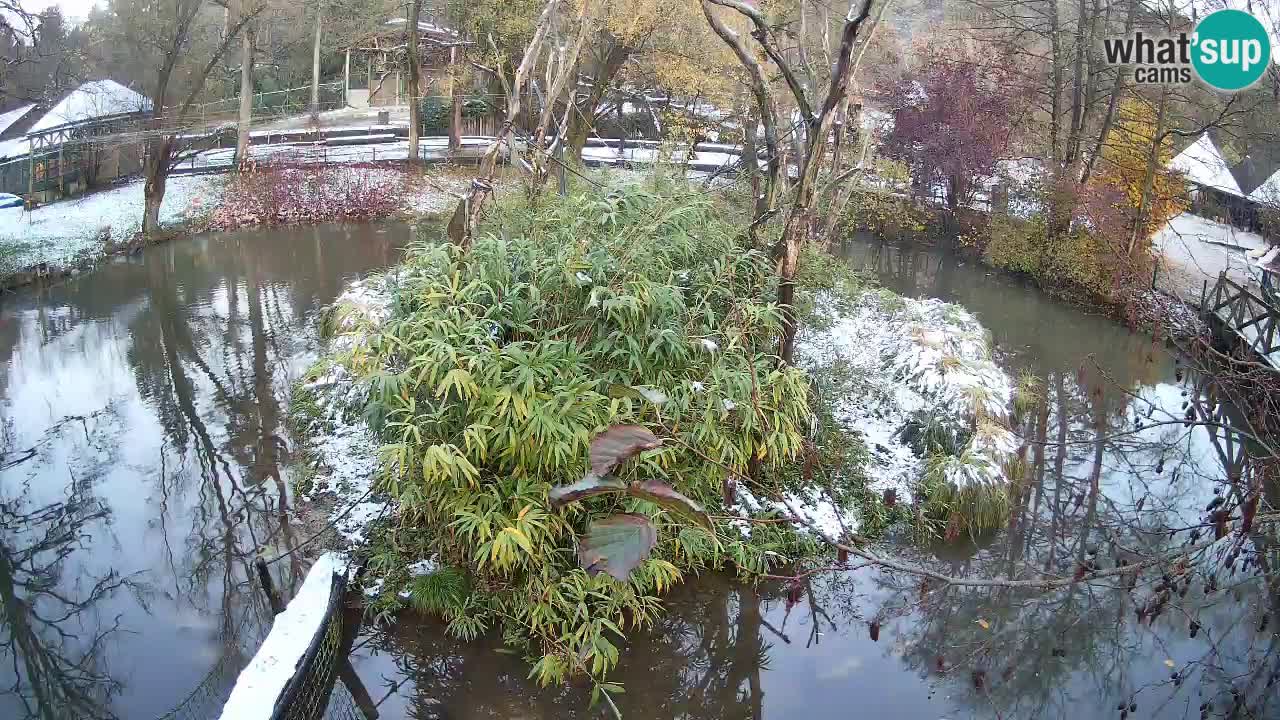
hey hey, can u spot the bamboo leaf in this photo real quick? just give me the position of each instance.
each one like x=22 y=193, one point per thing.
x=617 y=545
x=660 y=493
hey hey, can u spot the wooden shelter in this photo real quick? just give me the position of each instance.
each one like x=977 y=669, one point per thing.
x=375 y=73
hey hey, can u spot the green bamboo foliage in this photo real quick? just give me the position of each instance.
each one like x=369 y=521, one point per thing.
x=497 y=368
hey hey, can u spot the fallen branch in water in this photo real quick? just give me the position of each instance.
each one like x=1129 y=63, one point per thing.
x=1048 y=582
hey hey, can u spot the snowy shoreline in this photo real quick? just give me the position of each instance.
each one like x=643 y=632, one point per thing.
x=908 y=359
x=341 y=449
x=70 y=236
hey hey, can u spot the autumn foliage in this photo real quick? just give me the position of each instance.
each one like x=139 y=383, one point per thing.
x=1124 y=166
x=952 y=124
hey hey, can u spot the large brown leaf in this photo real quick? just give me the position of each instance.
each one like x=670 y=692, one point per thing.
x=589 y=486
x=656 y=491
x=618 y=443
x=617 y=544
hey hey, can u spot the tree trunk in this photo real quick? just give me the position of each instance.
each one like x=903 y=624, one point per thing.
x=751 y=158
x=1148 y=178
x=1077 y=89
x=793 y=237
x=582 y=118
x=415 y=10
x=1108 y=119
x=315 y=61
x=455 y=103
x=246 y=97
x=157 y=177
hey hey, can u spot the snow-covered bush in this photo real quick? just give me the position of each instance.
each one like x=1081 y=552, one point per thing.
x=925 y=394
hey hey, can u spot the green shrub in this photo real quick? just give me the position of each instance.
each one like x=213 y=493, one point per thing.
x=498 y=366
x=885 y=207
x=436 y=112
x=1076 y=261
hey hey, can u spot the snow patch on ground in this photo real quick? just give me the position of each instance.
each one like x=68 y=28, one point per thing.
x=1195 y=250
x=434 y=196
x=344 y=459
x=260 y=684
x=64 y=232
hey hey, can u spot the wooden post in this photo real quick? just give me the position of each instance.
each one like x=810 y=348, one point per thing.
x=563 y=181
x=264 y=577
x=455 y=124
x=346 y=79
x=61 y=188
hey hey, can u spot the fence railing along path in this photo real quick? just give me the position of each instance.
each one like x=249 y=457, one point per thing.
x=1253 y=318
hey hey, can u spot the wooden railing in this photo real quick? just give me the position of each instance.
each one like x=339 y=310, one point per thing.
x=1253 y=318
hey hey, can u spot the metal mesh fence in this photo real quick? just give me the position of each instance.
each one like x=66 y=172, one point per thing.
x=343 y=705
x=306 y=696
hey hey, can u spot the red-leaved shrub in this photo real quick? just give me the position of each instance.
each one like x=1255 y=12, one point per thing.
x=278 y=194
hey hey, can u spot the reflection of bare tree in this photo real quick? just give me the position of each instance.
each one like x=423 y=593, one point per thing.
x=1101 y=492
x=49 y=633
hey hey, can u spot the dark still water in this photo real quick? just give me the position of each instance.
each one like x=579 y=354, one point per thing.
x=727 y=651
x=143 y=463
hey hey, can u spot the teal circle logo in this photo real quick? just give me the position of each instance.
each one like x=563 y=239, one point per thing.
x=1232 y=50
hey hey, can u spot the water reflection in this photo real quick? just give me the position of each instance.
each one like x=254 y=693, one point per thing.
x=145 y=463
x=1107 y=477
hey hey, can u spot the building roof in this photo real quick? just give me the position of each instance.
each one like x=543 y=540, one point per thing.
x=1268 y=193
x=92 y=100
x=426 y=28
x=1203 y=165
x=8 y=119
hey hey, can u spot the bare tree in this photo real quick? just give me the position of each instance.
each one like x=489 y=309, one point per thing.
x=467 y=215
x=247 y=36
x=179 y=45
x=812 y=134
x=315 y=60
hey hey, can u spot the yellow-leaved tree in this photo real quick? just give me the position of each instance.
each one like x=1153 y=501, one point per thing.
x=1127 y=167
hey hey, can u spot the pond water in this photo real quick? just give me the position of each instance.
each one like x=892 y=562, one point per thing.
x=726 y=650
x=144 y=461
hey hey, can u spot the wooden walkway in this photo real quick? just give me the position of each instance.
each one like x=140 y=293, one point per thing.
x=1252 y=318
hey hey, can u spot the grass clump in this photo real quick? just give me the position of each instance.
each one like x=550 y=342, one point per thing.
x=1028 y=391
x=496 y=367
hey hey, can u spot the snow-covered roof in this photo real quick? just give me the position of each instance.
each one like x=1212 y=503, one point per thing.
x=91 y=100
x=1203 y=165
x=1268 y=192
x=426 y=27
x=17 y=147
x=14 y=116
